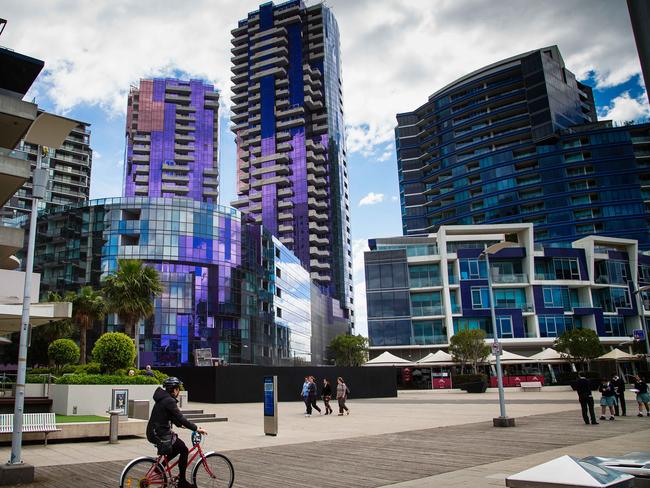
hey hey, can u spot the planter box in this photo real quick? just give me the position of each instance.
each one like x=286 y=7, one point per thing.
x=85 y=430
x=94 y=399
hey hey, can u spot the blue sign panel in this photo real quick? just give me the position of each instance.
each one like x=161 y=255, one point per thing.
x=269 y=410
x=639 y=335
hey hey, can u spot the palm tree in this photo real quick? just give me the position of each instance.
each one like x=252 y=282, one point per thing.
x=130 y=292
x=87 y=306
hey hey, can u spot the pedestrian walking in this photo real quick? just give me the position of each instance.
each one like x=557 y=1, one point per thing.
x=583 y=388
x=327 y=396
x=619 y=393
x=313 y=395
x=305 y=397
x=342 y=393
x=607 y=400
x=642 y=396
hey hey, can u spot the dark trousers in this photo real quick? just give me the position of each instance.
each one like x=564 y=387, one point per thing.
x=311 y=403
x=326 y=401
x=588 y=404
x=179 y=448
x=620 y=401
x=342 y=405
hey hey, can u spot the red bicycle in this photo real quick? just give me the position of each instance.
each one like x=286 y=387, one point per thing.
x=211 y=470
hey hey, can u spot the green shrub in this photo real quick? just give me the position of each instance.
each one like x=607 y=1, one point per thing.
x=37 y=378
x=566 y=378
x=62 y=352
x=90 y=368
x=105 y=379
x=113 y=351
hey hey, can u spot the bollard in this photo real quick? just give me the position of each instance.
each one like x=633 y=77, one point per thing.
x=113 y=425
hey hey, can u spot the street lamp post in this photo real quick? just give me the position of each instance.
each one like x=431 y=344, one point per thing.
x=638 y=290
x=503 y=420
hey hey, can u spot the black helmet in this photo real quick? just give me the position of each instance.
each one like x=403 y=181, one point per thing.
x=172 y=383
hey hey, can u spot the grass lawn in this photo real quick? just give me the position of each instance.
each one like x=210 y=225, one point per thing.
x=66 y=419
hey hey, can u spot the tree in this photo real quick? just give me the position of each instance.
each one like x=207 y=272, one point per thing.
x=44 y=335
x=113 y=351
x=468 y=346
x=349 y=350
x=130 y=292
x=62 y=352
x=87 y=306
x=579 y=346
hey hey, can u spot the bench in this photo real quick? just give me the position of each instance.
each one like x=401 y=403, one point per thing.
x=32 y=422
x=531 y=385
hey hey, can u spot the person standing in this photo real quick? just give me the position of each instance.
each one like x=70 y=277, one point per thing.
x=327 y=396
x=619 y=393
x=305 y=397
x=342 y=393
x=148 y=372
x=607 y=400
x=583 y=388
x=642 y=396
x=313 y=395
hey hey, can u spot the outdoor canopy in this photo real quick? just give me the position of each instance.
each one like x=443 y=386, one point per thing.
x=618 y=355
x=549 y=355
x=511 y=358
x=438 y=358
x=387 y=359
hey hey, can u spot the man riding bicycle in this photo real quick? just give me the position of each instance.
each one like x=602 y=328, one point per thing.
x=159 y=429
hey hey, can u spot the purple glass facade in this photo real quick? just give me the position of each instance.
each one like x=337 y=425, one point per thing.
x=292 y=171
x=172 y=136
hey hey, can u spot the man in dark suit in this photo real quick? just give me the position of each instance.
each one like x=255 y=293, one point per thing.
x=619 y=390
x=586 y=399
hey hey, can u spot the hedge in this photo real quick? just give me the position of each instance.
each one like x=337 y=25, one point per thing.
x=105 y=379
x=461 y=379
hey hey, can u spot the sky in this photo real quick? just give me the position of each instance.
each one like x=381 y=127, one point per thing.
x=395 y=53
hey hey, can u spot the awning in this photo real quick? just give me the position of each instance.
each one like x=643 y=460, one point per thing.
x=388 y=359
x=438 y=358
x=512 y=358
x=549 y=355
x=40 y=314
x=618 y=355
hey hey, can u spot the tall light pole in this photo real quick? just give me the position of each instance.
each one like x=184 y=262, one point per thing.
x=46 y=131
x=638 y=291
x=503 y=420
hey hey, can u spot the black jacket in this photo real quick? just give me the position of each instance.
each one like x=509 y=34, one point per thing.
x=619 y=385
x=327 y=390
x=311 y=390
x=606 y=389
x=165 y=413
x=583 y=388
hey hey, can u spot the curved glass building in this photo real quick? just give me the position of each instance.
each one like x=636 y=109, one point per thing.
x=519 y=141
x=229 y=285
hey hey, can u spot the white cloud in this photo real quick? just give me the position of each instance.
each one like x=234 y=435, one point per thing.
x=394 y=53
x=371 y=198
x=625 y=108
x=394 y=198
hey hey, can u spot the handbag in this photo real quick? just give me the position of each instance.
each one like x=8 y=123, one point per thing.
x=165 y=445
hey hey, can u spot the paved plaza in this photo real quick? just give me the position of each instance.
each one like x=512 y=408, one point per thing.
x=419 y=439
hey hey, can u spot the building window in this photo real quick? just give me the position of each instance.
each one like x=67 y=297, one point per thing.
x=278 y=272
x=278 y=292
x=279 y=312
x=566 y=269
x=426 y=304
x=473 y=269
x=555 y=325
x=480 y=297
x=504 y=324
x=424 y=275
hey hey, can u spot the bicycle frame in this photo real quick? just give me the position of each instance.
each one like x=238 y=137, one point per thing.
x=162 y=460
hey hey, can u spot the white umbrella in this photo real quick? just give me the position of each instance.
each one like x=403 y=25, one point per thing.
x=549 y=355
x=509 y=357
x=618 y=355
x=387 y=359
x=439 y=358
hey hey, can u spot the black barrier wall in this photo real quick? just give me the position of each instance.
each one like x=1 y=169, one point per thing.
x=241 y=384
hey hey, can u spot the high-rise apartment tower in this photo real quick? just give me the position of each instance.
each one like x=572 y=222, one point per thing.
x=172 y=137
x=288 y=115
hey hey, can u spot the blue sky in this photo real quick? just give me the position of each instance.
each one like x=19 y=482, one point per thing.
x=395 y=53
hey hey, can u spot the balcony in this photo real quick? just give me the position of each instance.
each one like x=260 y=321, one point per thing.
x=424 y=282
x=510 y=278
x=427 y=311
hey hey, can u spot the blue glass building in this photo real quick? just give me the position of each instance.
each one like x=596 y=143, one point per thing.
x=288 y=124
x=229 y=285
x=518 y=141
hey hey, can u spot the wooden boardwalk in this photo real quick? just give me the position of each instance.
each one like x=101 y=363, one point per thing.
x=378 y=460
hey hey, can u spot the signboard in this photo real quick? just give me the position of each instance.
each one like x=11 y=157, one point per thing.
x=407 y=375
x=271 y=405
x=120 y=401
x=203 y=357
x=638 y=334
x=440 y=381
x=497 y=349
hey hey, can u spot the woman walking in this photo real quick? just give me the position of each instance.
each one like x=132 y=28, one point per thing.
x=642 y=396
x=342 y=395
x=312 y=396
x=327 y=396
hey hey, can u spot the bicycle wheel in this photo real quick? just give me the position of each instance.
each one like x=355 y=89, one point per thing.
x=143 y=473
x=215 y=472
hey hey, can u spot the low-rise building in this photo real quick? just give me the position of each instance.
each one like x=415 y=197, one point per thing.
x=421 y=290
